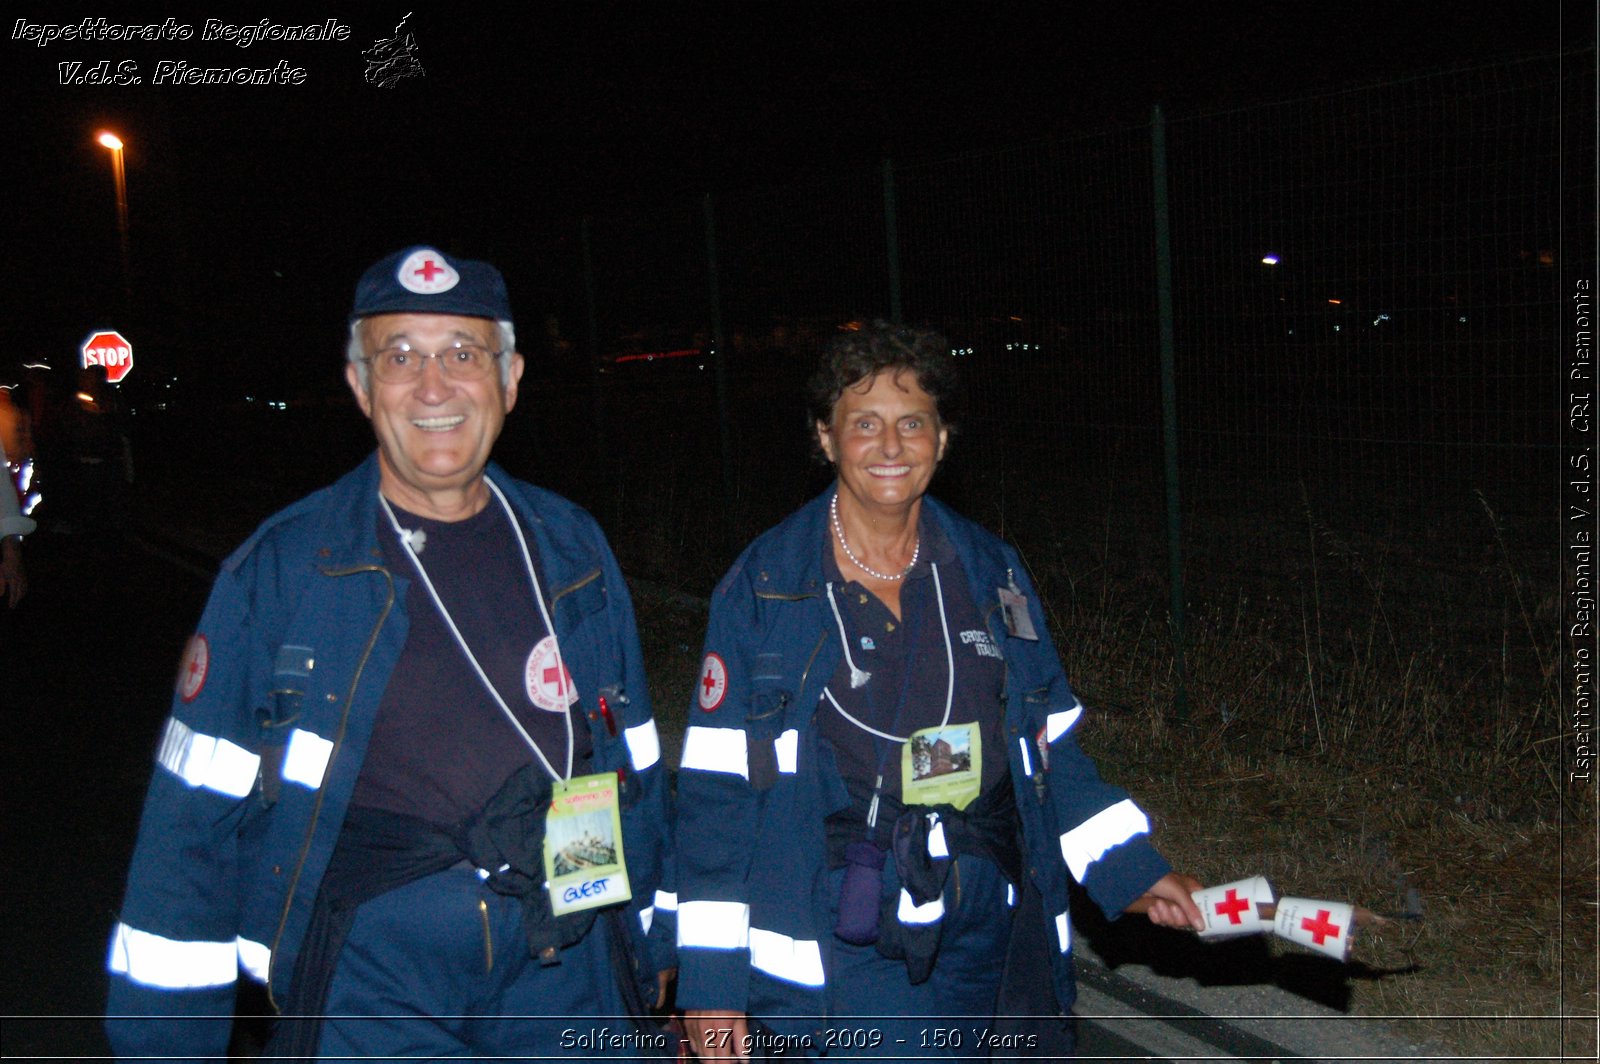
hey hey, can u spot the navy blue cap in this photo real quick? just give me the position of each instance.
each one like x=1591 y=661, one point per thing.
x=421 y=280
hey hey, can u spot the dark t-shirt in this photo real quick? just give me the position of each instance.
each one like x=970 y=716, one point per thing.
x=910 y=672
x=441 y=747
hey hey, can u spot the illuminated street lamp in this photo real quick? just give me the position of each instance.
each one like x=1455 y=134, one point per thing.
x=114 y=143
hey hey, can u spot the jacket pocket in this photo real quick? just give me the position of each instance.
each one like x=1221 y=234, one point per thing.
x=763 y=733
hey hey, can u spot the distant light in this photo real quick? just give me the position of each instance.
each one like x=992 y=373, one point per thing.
x=1337 y=302
x=1462 y=319
x=1269 y=260
x=1380 y=319
x=651 y=356
x=110 y=140
x=36 y=365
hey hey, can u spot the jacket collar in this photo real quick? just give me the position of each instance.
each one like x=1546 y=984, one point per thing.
x=348 y=537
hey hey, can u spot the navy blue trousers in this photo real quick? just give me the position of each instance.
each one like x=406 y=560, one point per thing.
x=875 y=1010
x=440 y=968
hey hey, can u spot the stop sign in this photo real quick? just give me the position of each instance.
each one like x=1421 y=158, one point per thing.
x=110 y=349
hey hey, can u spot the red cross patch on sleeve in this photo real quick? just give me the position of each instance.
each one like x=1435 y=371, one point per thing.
x=192 y=669
x=713 y=685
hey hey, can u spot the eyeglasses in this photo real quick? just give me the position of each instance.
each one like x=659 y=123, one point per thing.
x=402 y=364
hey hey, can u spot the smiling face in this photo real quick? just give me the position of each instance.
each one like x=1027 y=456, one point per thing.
x=885 y=440
x=435 y=433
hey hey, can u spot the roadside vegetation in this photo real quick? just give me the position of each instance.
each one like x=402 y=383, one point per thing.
x=1344 y=735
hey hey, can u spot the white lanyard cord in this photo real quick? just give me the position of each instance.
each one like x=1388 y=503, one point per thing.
x=858 y=677
x=949 y=657
x=472 y=659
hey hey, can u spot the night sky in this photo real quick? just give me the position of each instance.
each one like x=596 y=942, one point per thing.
x=253 y=208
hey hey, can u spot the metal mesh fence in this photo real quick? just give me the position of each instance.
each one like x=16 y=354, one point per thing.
x=1366 y=300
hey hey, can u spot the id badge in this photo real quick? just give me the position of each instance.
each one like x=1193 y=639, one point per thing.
x=942 y=766
x=583 y=861
x=1014 y=608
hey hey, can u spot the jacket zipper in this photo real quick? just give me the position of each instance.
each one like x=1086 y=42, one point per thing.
x=344 y=720
x=570 y=588
x=821 y=639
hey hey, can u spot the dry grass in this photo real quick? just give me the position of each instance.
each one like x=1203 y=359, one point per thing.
x=1348 y=741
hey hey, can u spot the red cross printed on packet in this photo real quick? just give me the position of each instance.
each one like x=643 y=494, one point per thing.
x=1321 y=929
x=1233 y=908
x=1320 y=925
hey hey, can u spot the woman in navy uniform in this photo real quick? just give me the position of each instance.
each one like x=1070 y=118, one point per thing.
x=880 y=759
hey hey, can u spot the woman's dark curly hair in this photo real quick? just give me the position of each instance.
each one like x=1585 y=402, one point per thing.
x=855 y=356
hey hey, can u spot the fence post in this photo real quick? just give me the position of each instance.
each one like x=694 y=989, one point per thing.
x=596 y=377
x=1169 y=408
x=891 y=229
x=725 y=440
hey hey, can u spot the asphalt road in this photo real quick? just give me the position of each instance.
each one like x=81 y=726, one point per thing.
x=88 y=661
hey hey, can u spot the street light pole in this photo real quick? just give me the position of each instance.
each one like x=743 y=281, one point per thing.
x=114 y=143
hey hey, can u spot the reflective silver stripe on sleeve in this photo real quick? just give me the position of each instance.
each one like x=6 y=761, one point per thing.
x=205 y=761
x=714 y=924
x=1027 y=756
x=1112 y=826
x=307 y=758
x=644 y=744
x=937 y=847
x=794 y=960
x=1011 y=896
x=667 y=903
x=171 y=964
x=912 y=913
x=255 y=959
x=1064 y=932
x=1058 y=724
x=788 y=746
x=716 y=750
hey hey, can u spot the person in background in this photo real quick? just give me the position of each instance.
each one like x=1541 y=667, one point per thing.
x=15 y=446
x=880 y=762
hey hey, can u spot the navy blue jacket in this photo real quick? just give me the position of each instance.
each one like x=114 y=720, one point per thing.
x=257 y=763
x=756 y=782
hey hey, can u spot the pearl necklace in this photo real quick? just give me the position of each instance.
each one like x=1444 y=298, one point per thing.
x=838 y=530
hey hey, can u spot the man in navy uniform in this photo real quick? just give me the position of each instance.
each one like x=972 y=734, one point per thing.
x=412 y=695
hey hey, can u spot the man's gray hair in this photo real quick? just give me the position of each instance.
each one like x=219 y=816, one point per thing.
x=355 y=352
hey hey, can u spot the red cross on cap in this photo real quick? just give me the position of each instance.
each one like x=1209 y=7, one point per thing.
x=426 y=272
